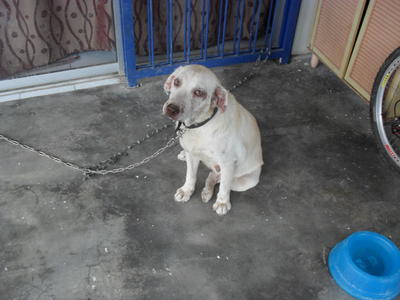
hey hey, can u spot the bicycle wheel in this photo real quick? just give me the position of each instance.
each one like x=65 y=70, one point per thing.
x=385 y=109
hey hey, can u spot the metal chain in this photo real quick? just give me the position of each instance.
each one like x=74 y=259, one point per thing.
x=118 y=155
x=99 y=169
x=257 y=65
x=41 y=153
x=89 y=171
x=172 y=141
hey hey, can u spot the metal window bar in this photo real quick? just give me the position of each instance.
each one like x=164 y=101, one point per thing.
x=170 y=36
x=288 y=28
x=188 y=29
x=236 y=26
x=150 y=31
x=163 y=63
x=255 y=22
x=202 y=29
x=219 y=27
x=205 y=29
x=240 y=29
x=186 y=39
x=270 y=25
x=224 y=28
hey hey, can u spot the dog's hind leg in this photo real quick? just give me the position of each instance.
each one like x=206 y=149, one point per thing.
x=208 y=190
x=247 y=181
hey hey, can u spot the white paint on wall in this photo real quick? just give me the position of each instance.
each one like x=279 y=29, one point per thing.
x=304 y=27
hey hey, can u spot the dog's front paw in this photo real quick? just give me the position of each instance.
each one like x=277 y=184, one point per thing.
x=221 y=206
x=183 y=194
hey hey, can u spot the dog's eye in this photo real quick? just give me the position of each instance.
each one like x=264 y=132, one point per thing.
x=177 y=82
x=199 y=93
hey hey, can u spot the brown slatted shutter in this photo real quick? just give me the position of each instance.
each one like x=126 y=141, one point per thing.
x=335 y=31
x=379 y=36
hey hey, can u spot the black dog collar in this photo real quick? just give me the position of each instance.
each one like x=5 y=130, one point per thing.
x=197 y=125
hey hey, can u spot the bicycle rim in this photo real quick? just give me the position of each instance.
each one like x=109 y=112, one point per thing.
x=390 y=143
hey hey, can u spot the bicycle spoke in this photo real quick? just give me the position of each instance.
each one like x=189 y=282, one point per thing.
x=385 y=105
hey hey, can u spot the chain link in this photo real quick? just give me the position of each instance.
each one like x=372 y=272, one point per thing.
x=41 y=153
x=90 y=171
x=117 y=156
x=169 y=144
x=257 y=65
x=99 y=169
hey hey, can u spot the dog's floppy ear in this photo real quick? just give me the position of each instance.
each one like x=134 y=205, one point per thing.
x=170 y=79
x=221 y=97
x=168 y=83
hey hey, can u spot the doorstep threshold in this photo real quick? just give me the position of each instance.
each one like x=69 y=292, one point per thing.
x=60 y=87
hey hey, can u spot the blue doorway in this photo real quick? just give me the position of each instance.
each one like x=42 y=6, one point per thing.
x=159 y=35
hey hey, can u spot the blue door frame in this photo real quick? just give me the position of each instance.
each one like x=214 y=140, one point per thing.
x=134 y=71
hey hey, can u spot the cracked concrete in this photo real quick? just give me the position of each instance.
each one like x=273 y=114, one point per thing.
x=123 y=236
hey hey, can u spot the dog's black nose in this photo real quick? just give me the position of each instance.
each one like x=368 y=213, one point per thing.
x=172 y=109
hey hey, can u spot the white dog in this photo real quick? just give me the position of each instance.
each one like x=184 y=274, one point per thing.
x=218 y=131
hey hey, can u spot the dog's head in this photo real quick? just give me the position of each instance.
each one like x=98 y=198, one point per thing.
x=193 y=92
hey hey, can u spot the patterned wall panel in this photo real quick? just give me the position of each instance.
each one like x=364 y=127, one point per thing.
x=39 y=32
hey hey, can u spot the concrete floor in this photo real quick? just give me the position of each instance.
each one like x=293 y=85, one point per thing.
x=124 y=237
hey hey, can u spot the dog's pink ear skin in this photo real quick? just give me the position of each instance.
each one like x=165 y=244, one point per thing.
x=170 y=80
x=222 y=98
x=168 y=83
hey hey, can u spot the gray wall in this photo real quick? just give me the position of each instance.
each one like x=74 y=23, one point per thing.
x=304 y=27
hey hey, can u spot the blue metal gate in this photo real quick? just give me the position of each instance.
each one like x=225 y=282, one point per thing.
x=274 y=40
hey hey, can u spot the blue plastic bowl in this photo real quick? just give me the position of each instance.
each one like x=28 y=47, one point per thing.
x=367 y=266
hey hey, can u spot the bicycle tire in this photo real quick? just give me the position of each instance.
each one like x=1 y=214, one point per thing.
x=389 y=152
